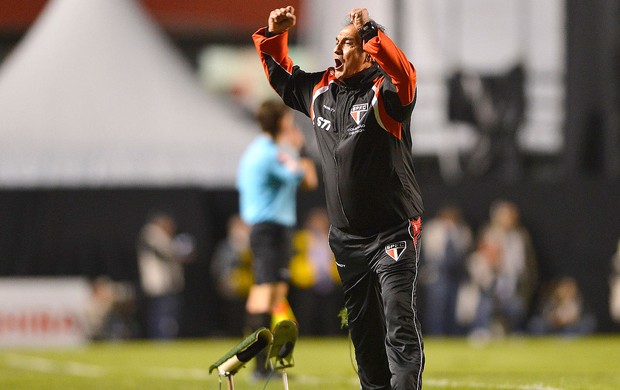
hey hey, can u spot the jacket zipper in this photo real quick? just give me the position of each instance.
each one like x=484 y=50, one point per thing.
x=341 y=135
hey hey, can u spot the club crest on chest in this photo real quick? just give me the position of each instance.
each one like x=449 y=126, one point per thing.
x=358 y=111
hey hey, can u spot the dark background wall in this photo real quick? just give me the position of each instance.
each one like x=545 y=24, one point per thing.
x=593 y=88
x=574 y=225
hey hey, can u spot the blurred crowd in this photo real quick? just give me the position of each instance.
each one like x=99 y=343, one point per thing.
x=154 y=307
x=483 y=283
x=486 y=284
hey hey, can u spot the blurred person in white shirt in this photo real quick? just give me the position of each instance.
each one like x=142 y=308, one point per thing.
x=161 y=253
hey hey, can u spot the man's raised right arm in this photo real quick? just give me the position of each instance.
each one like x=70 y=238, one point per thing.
x=271 y=42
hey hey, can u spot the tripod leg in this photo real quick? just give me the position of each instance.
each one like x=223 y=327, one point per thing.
x=231 y=383
x=285 y=379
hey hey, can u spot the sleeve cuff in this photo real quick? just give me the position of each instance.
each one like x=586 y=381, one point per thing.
x=368 y=31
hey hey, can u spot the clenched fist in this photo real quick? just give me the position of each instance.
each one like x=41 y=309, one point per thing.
x=359 y=17
x=281 y=19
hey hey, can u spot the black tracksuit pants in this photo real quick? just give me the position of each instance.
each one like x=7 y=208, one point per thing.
x=379 y=275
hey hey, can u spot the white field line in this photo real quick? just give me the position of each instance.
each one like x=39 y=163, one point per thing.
x=316 y=380
x=50 y=366
x=475 y=385
x=179 y=373
x=32 y=363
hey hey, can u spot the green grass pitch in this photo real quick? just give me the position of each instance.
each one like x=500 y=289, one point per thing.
x=321 y=363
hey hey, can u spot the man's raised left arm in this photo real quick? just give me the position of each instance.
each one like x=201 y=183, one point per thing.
x=389 y=56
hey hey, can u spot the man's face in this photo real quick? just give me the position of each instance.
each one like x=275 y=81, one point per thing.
x=349 y=55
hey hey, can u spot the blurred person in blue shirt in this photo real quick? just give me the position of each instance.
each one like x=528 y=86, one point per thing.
x=270 y=171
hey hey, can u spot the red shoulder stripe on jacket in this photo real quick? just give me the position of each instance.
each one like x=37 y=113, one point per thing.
x=388 y=123
x=320 y=88
x=276 y=47
x=396 y=65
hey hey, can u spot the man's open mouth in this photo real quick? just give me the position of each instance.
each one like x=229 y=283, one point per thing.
x=338 y=63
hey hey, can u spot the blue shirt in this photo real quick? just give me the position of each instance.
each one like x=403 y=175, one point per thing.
x=267 y=182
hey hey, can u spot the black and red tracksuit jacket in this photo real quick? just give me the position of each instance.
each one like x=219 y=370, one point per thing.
x=362 y=127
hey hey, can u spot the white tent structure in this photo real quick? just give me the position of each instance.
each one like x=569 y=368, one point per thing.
x=95 y=95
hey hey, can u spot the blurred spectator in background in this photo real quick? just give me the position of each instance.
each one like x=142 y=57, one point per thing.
x=614 y=285
x=503 y=275
x=561 y=311
x=447 y=242
x=161 y=254
x=316 y=296
x=231 y=269
x=100 y=307
x=111 y=311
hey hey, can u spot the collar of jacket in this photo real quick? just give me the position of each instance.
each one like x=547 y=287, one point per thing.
x=365 y=78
